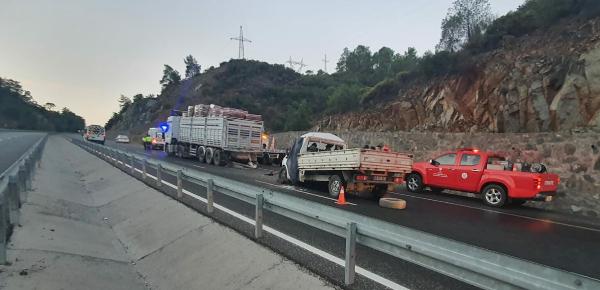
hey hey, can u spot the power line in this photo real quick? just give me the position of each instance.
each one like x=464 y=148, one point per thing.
x=241 y=41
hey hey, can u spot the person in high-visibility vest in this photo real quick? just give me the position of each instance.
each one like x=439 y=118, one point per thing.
x=147 y=140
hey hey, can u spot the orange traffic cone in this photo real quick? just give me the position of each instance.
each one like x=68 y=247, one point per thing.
x=342 y=196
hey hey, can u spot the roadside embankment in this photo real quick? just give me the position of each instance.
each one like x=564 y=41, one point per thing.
x=87 y=225
x=573 y=156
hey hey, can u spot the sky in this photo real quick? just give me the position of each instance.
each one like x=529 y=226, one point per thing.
x=84 y=54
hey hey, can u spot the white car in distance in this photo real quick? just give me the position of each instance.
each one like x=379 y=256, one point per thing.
x=122 y=139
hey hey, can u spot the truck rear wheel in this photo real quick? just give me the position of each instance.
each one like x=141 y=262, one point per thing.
x=335 y=185
x=494 y=195
x=201 y=153
x=209 y=155
x=218 y=157
x=414 y=182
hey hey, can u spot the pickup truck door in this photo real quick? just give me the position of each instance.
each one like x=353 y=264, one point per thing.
x=441 y=173
x=469 y=171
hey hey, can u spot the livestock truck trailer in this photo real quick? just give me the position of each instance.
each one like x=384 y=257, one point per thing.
x=214 y=139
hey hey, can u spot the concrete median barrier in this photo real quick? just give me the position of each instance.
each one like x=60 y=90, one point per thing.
x=86 y=223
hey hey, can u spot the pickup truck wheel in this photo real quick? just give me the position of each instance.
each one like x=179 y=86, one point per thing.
x=209 y=155
x=335 y=184
x=494 y=195
x=414 y=182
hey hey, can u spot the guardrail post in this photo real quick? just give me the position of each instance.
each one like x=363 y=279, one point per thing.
x=144 y=172
x=349 y=270
x=259 y=216
x=158 y=175
x=28 y=174
x=132 y=164
x=14 y=201
x=4 y=225
x=209 y=195
x=22 y=179
x=179 y=183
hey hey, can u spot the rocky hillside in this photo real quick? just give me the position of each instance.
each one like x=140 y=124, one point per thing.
x=545 y=81
x=536 y=69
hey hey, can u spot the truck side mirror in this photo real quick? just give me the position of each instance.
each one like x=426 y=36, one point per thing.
x=433 y=162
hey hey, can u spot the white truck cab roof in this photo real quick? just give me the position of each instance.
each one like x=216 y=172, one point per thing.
x=324 y=138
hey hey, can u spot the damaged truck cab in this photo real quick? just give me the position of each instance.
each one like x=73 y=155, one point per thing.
x=324 y=157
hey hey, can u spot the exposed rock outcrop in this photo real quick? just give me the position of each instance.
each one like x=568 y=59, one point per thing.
x=547 y=81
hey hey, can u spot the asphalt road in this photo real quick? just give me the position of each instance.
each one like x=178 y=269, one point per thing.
x=13 y=144
x=553 y=239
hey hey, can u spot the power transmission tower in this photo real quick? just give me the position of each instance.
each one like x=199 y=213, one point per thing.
x=325 y=61
x=291 y=63
x=300 y=64
x=241 y=41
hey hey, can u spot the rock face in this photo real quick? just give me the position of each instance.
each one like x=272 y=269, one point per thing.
x=547 y=81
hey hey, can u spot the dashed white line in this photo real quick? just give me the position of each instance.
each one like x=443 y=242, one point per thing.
x=500 y=212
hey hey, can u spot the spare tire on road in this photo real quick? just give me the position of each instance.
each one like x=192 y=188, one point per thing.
x=391 y=202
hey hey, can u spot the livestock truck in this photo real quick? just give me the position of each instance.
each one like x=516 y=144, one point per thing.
x=215 y=136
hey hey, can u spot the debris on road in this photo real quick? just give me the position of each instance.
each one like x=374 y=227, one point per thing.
x=394 y=203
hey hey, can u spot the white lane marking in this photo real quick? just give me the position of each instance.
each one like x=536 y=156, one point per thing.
x=198 y=166
x=301 y=191
x=499 y=212
x=339 y=261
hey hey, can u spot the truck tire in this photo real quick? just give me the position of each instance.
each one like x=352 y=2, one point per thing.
x=209 y=155
x=201 y=154
x=494 y=195
x=394 y=203
x=335 y=184
x=414 y=182
x=218 y=157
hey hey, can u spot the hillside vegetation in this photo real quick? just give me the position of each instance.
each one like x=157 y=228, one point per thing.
x=478 y=58
x=18 y=110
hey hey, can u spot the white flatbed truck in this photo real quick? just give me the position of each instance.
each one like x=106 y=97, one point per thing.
x=323 y=157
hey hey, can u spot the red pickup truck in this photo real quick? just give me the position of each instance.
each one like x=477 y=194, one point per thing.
x=498 y=180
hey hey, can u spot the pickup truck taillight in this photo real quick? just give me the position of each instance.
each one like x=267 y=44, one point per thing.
x=361 y=178
x=537 y=183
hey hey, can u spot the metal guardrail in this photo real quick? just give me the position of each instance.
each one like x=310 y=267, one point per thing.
x=14 y=184
x=473 y=265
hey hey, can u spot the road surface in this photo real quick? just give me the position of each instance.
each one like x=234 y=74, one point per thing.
x=549 y=238
x=13 y=144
